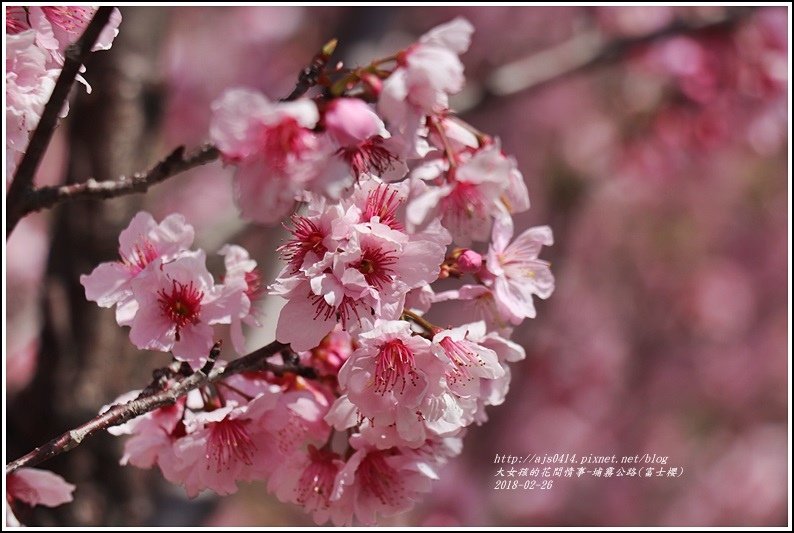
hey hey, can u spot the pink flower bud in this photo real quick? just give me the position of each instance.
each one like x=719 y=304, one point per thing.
x=350 y=121
x=469 y=262
x=374 y=83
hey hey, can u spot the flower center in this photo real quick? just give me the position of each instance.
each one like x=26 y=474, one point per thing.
x=395 y=365
x=306 y=237
x=284 y=142
x=464 y=201
x=229 y=441
x=141 y=255
x=16 y=20
x=369 y=156
x=70 y=19
x=376 y=477
x=376 y=265
x=383 y=202
x=254 y=285
x=461 y=357
x=317 y=480
x=345 y=311
x=182 y=305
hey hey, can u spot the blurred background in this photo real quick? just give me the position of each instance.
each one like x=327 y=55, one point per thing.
x=653 y=141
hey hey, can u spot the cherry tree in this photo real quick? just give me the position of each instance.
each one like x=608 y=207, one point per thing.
x=384 y=192
x=393 y=206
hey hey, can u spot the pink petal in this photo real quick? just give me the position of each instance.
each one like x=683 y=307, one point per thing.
x=193 y=346
x=39 y=487
x=107 y=284
x=298 y=326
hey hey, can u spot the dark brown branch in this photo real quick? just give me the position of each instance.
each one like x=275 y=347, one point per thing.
x=24 y=199
x=75 y=57
x=153 y=398
x=586 y=51
x=310 y=76
x=175 y=163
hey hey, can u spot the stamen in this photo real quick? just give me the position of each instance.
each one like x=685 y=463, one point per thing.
x=229 y=441
x=182 y=305
x=395 y=365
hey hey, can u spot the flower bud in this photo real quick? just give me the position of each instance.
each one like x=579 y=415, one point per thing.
x=469 y=262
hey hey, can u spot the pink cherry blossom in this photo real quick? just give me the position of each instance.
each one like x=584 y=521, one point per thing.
x=467 y=196
x=29 y=83
x=34 y=486
x=177 y=304
x=275 y=150
x=389 y=371
x=357 y=263
x=322 y=228
x=307 y=478
x=349 y=121
x=469 y=262
x=362 y=139
x=381 y=482
x=297 y=418
x=518 y=273
x=400 y=392
x=223 y=446
x=427 y=74
x=140 y=244
x=244 y=280
x=58 y=27
x=152 y=434
x=467 y=360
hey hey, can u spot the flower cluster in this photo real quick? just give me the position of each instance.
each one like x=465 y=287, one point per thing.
x=379 y=178
x=36 y=40
x=165 y=293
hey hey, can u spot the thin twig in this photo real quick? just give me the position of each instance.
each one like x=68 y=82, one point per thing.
x=586 y=51
x=24 y=199
x=420 y=321
x=310 y=76
x=155 y=399
x=175 y=163
x=74 y=57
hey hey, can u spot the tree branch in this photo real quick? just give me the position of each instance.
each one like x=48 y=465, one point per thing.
x=76 y=54
x=586 y=51
x=310 y=76
x=153 y=398
x=175 y=163
x=24 y=199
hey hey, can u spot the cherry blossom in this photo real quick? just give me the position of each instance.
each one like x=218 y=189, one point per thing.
x=244 y=279
x=427 y=74
x=33 y=486
x=36 y=40
x=307 y=478
x=140 y=244
x=467 y=196
x=376 y=483
x=221 y=447
x=276 y=153
x=467 y=360
x=387 y=379
x=364 y=265
x=363 y=140
x=59 y=26
x=376 y=177
x=177 y=304
x=518 y=273
x=29 y=84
